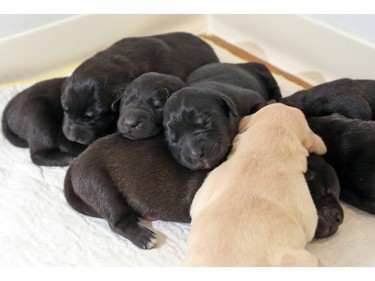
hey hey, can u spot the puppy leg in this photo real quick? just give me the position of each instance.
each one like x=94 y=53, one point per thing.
x=10 y=136
x=101 y=195
x=69 y=147
x=50 y=157
x=74 y=200
x=43 y=148
x=42 y=134
x=50 y=150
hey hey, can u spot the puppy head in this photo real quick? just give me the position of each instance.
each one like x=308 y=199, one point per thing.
x=324 y=189
x=141 y=105
x=199 y=127
x=87 y=110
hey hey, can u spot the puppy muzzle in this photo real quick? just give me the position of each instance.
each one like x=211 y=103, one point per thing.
x=202 y=155
x=138 y=124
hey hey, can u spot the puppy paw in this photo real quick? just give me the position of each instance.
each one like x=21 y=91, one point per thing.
x=143 y=238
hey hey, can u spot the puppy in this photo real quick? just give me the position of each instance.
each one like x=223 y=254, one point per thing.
x=200 y=123
x=351 y=98
x=324 y=189
x=351 y=152
x=255 y=209
x=201 y=120
x=89 y=92
x=33 y=118
x=120 y=180
x=141 y=105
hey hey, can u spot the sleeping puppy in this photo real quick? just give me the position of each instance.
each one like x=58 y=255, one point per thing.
x=89 y=92
x=324 y=189
x=141 y=105
x=255 y=209
x=351 y=98
x=120 y=180
x=201 y=120
x=33 y=118
x=351 y=152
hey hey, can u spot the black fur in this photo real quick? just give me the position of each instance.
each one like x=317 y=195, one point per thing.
x=251 y=76
x=97 y=82
x=33 y=118
x=324 y=189
x=141 y=105
x=351 y=98
x=351 y=152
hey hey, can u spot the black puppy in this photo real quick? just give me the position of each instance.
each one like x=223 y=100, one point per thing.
x=33 y=118
x=351 y=98
x=351 y=152
x=324 y=189
x=97 y=82
x=201 y=120
x=121 y=180
x=141 y=105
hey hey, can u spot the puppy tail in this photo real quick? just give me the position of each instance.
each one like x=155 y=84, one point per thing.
x=297 y=257
x=74 y=200
x=10 y=136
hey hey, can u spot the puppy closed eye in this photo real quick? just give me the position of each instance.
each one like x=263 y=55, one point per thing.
x=202 y=121
x=128 y=99
x=172 y=137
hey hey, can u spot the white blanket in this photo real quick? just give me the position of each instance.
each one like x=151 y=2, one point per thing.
x=39 y=228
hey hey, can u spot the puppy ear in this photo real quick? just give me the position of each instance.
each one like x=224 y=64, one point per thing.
x=315 y=144
x=116 y=104
x=165 y=92
x=63 y=84
x=231 y=105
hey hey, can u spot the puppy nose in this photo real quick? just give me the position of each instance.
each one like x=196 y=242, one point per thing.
x=335 y=215
x=196 y=153
x=131 y=121
x=339 y=217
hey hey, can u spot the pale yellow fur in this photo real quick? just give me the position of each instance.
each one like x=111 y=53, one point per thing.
x=255 y=209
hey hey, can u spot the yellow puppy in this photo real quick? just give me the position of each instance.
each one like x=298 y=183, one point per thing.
x=255 y=209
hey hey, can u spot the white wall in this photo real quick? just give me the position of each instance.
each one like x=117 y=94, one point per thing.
x=13 y=24
x=299 y=44
x=360 y=25
x=52 y=47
